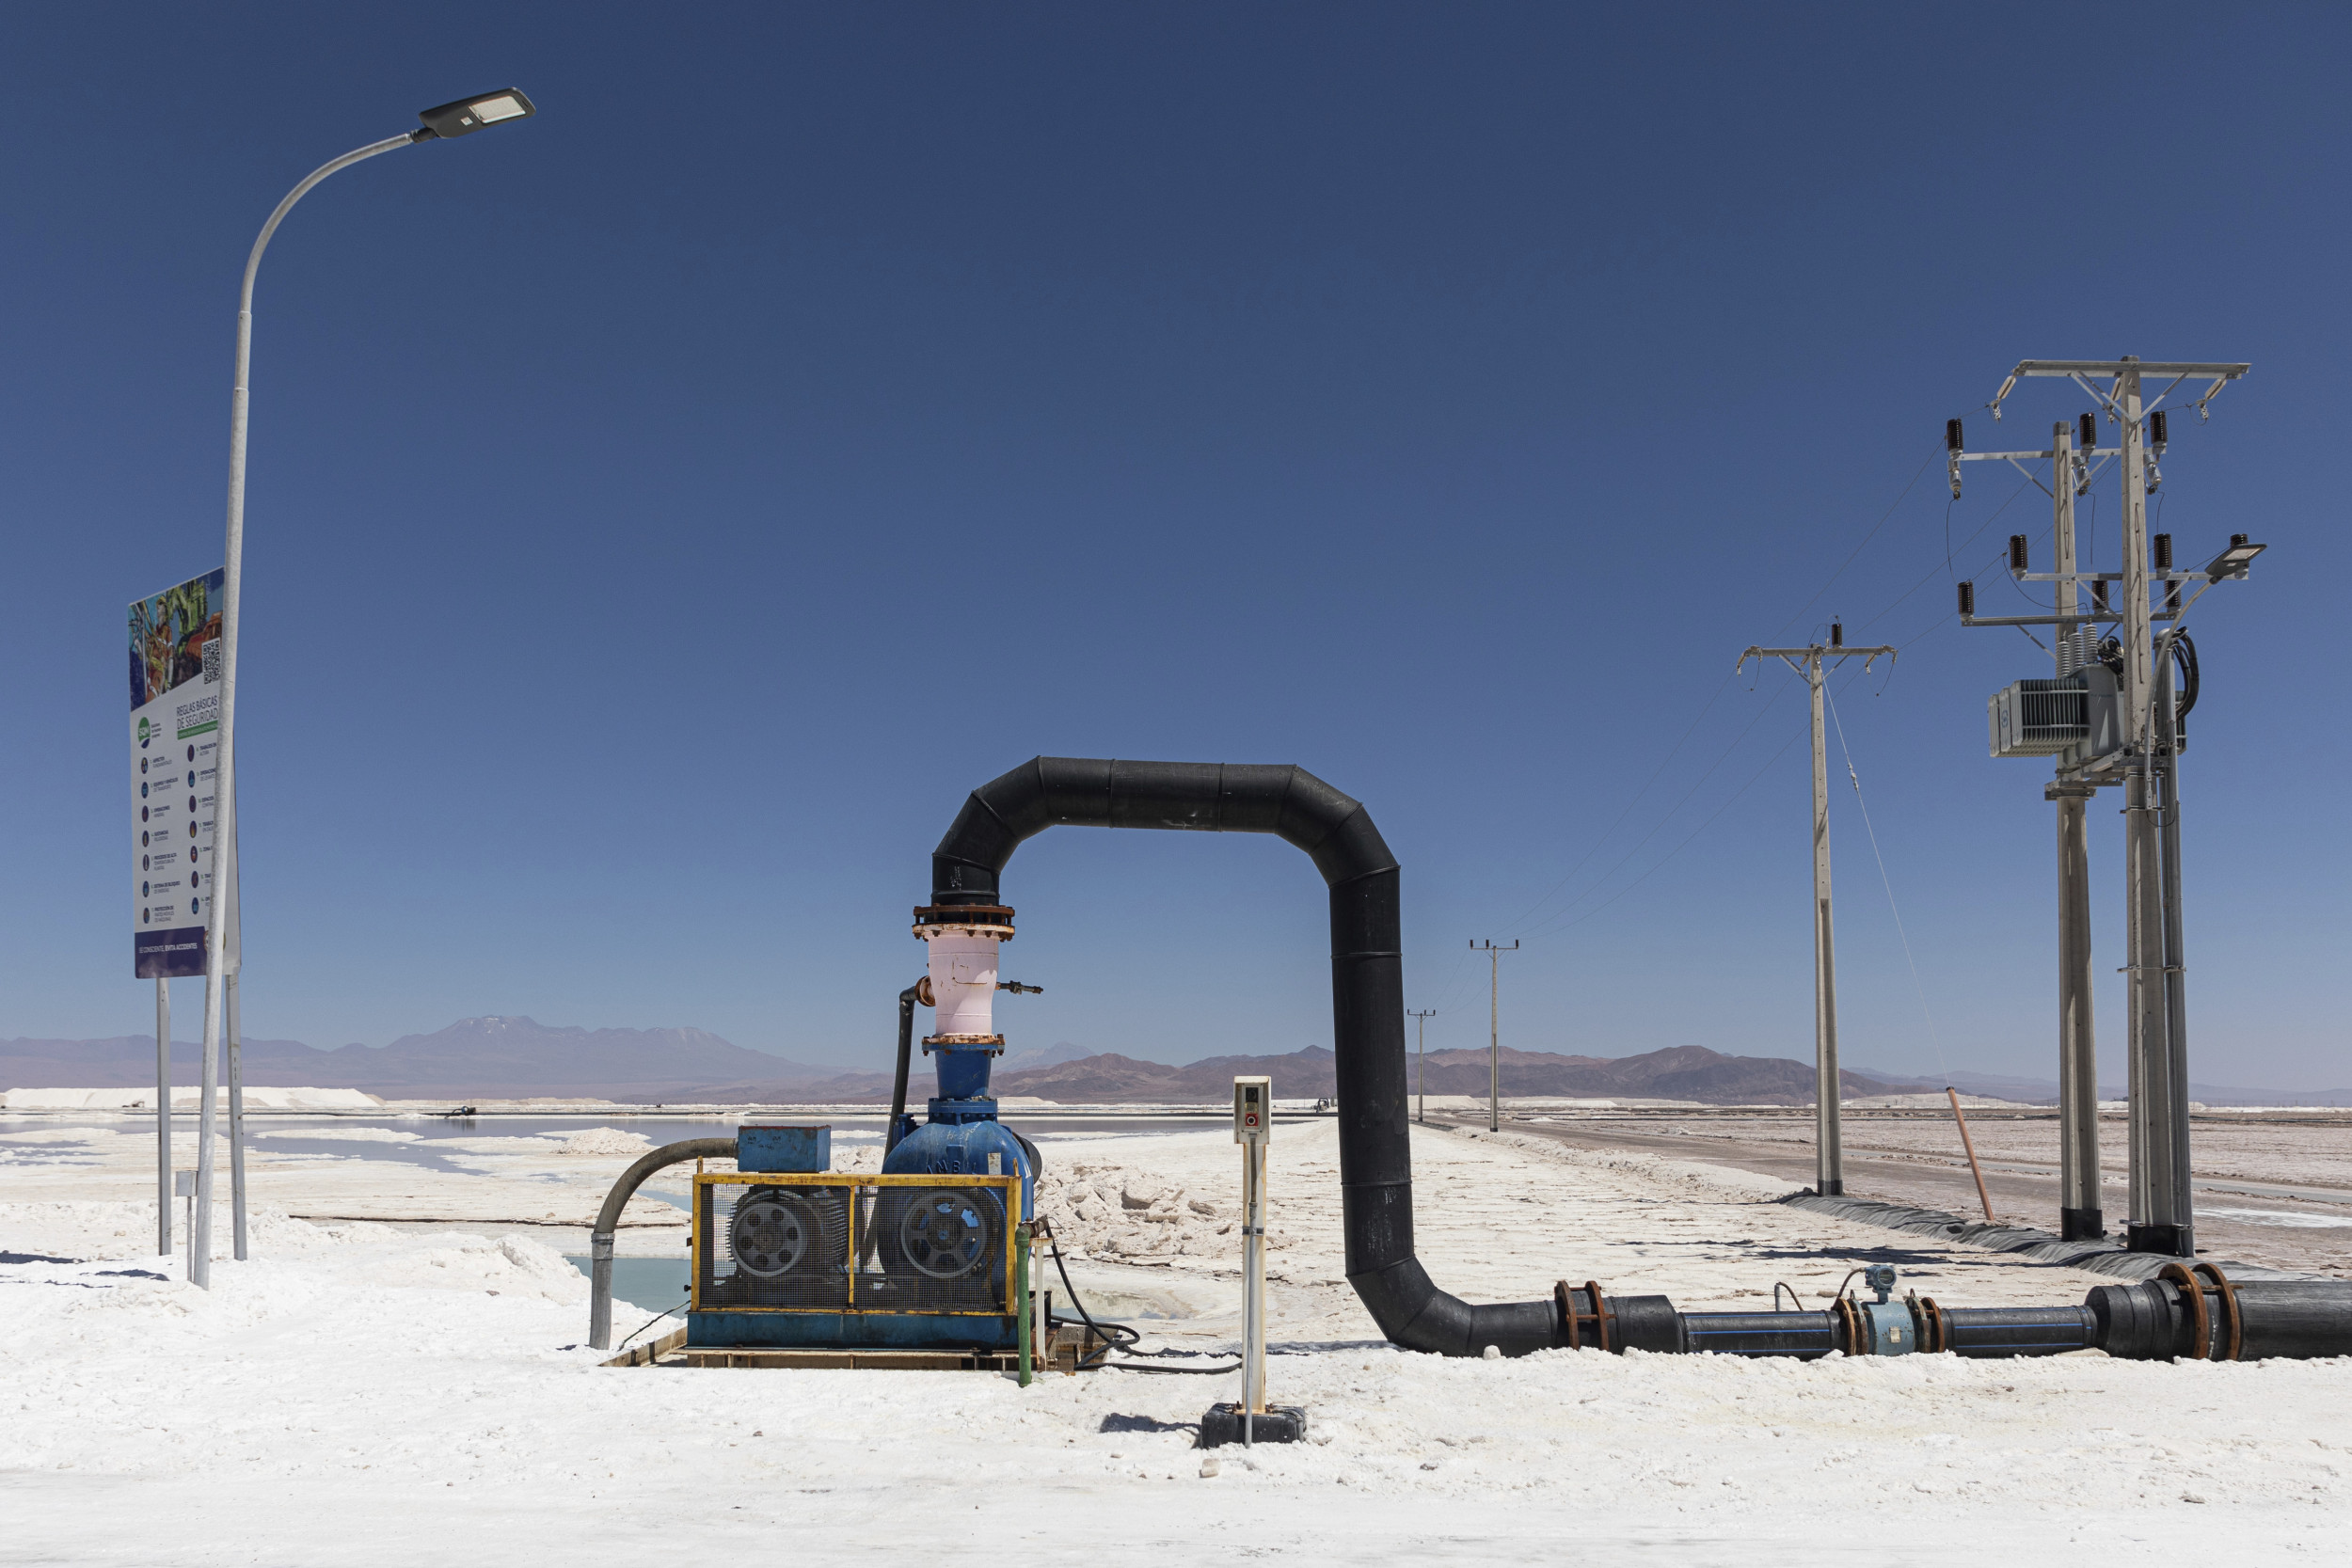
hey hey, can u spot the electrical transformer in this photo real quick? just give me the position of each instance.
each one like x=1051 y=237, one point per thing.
x=2074 y=717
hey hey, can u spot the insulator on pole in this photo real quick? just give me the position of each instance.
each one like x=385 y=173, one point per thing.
x=1967 y=598
x=2017 y=552
x=2162 y=544
x=1837 y=634
x=2099 y=597
x=2156 y=426
x=2087 y=432
x=1951 y=435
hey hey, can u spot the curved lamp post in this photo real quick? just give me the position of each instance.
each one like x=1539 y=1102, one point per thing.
x=460 y=118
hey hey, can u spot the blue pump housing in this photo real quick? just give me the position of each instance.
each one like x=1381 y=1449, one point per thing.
x=962 y=1131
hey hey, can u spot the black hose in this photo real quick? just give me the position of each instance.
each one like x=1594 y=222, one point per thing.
x=1109 y=1341
x=1367 y=990
x=2185 y=654
x=656 y=1318
x=1114 y=1336
x=907 y=999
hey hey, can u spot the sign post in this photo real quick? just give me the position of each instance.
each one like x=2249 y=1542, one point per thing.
x=175 y=734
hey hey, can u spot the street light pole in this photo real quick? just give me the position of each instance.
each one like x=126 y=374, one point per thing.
x=221 y=934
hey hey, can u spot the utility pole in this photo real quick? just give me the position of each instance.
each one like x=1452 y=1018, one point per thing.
x=1420 y=1112
x=1829 y=1136
x=1494 y=1031
x=2100 y=720
x=2081 y=1217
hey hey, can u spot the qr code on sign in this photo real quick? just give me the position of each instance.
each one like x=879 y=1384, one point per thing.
x=212 y=661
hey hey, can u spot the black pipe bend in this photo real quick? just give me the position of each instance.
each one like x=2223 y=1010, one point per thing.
x=1367 y=990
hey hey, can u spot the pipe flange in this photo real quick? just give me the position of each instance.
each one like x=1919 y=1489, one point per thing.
x=2201 y=1321
x=1563 y=1295
x=1934 y=1332
x=2233 y=1324
x=992 y=1044
x=1850 y=1319
x=993 y=920
x=2235 y=1339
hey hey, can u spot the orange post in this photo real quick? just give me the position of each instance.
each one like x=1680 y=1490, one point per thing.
x=1969 y=1143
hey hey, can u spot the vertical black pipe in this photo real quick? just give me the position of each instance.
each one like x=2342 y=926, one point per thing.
x=907 y=1000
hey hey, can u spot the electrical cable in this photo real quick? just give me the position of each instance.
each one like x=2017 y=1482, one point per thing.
x=1111 y=1334
x=1857 y=550
x=656 y=1318
x=1695 y=833
x=1453 y=981
x=1887 y=883
x=1889 y=607
x=1510 y=928
x=1726 y=756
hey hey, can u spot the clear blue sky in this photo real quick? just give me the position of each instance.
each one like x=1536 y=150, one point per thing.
x=665 y=510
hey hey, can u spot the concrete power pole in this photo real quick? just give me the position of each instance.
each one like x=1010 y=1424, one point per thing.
x=1494 y=1031
x=2100 y=718
x=1829 y=1140
x=2080 y=1215
x=1420 y=1112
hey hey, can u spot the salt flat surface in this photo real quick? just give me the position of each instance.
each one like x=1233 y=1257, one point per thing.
x=368 y=1393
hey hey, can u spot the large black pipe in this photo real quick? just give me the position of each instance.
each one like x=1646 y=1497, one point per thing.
x=1367 y=990
x=2156 y=1318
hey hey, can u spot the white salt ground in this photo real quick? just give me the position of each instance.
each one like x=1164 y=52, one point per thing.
x=357 y=1394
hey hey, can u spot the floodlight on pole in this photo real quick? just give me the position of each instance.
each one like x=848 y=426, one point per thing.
x=222 y=935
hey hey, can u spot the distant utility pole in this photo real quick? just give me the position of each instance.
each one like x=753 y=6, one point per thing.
x=1494 y=1031
x=2112 y=717
x=1828 y=1137
x=1422 y=1113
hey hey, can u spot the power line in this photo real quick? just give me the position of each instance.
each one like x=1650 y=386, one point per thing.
x=1932 y=453
x=1638 y=794
x=1888 y=884
x=1661 y=822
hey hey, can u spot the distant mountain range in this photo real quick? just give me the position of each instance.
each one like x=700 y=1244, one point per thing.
x=495 y=1057
x=517 y=1058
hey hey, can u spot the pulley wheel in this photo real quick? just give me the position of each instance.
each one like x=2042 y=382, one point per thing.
x=945 y=1234
x=771 y=1232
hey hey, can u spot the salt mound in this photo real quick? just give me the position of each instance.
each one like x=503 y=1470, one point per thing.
x=1118 y=1211
x=604 y=1141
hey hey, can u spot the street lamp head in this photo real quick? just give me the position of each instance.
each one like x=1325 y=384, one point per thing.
x=2234 y=562
x=469 y=115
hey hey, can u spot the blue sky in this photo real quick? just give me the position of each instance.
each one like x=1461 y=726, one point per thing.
x=665 y=510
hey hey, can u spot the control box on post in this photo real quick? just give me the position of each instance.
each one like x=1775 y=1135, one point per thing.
x=1253 y=1105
